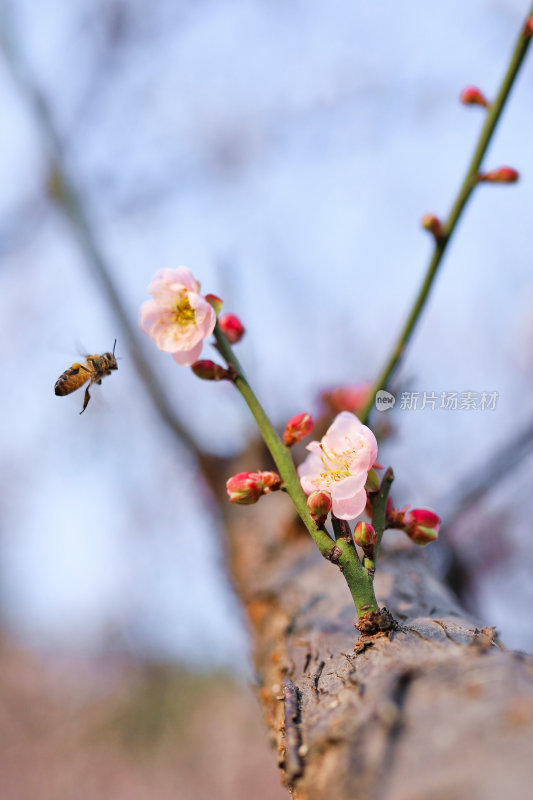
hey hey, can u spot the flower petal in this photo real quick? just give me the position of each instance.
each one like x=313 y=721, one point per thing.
x=186 y=358
x=310 y=471
x=149 y=316
x=166 y=286
x=348 y=487
x=365 y=452
x=349 y=507
x=187 y=279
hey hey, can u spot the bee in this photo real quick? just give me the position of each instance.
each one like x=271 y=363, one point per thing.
x=93 y=369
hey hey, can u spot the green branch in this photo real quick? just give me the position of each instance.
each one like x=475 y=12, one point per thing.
x=468 y=185
x=281 y=454
x=343 y=551
x=379 y=508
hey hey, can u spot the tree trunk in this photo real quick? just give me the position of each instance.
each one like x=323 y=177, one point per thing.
x=437 y=709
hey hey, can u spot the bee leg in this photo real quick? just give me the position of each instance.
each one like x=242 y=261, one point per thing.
x=86 y=400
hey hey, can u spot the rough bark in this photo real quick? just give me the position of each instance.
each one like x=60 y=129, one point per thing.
x=438 y=709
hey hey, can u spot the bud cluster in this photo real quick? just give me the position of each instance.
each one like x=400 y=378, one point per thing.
x=421 y=524
x=246 y=488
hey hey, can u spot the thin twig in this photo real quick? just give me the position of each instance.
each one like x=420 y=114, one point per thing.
x=469 y=183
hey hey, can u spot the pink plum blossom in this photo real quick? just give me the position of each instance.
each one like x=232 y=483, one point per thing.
x=178 y=318
x=339 y=464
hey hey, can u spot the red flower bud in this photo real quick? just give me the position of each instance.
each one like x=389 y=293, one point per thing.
x=231 y=327
x=319 y=504
x=297 y=428
x=209 y=371
x=422 y=525
x=433 y=224
x=246 y=488
x=365 y=536
x=528 y=28
x=500 y=175
x=472 y=96
x=215 y=302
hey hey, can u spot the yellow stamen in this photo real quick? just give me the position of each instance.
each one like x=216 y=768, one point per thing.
x=337 y=465
x=184 y=314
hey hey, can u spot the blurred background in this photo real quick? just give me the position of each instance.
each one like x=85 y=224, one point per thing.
x=285 y=153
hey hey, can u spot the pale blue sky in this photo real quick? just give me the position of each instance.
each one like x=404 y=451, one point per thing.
x=285 y=153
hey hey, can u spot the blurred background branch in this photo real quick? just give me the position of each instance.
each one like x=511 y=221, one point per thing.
x=68 y=199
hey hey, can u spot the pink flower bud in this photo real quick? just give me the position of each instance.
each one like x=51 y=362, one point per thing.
x=231 y=327
x=365 y=536
x=472 y=96
x=209 y=371
x=433 y=224
x=500 y=175
x=422 y=525
x=319 y=504
x=215 y=302
x=246 y=488
x=297 y=428
x=528 y=28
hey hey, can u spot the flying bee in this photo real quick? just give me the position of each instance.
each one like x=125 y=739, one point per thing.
x=93 y=369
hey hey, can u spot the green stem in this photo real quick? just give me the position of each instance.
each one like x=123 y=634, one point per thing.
x=359 y=579
x=469 y=183
x=281 y=454
x=343 y=551
x=379 y=509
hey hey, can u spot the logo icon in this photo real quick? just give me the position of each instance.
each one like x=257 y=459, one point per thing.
x=384 y=400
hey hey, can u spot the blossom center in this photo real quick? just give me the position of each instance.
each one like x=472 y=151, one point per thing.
x=337 y=465
x=183 y=314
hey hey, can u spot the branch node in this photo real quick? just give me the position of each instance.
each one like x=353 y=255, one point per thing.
x=374 y=625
